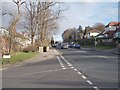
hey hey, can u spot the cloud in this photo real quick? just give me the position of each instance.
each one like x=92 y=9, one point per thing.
x=87 y=14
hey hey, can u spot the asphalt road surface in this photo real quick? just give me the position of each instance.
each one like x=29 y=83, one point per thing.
x=74 y=68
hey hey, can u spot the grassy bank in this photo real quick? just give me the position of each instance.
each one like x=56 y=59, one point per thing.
x=19 y=57
x=105 y=47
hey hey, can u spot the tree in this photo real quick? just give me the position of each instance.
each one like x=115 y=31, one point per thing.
x=99 y=26
x=80 y=33
x=70 y=35
x=13 y=24
x=80 y=28
x=31 y=9
x=43 y=19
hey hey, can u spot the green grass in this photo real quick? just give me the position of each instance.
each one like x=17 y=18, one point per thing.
x=19 y=57
x=105 y=47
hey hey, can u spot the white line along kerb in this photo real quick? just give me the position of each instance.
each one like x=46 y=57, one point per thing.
x=64 y=59
x=61 y=63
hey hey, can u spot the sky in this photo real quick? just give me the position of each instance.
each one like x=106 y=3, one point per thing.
x=85 y=13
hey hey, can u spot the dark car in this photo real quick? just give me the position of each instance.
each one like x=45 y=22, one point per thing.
x=77 y=46
x=71 y=45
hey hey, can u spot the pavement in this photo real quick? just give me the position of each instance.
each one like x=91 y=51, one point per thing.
x=41 y=56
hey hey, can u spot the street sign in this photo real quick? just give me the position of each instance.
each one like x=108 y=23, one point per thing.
x=6 y=56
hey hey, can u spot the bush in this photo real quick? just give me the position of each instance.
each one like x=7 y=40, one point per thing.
x=30 y=48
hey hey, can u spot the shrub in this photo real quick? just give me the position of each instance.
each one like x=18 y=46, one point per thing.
x=30 y=48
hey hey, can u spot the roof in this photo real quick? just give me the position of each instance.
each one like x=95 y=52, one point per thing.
x=114 y=24
x=94 y=31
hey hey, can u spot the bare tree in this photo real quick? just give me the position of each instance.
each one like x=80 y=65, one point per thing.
x=14 y=22
x=47 y=19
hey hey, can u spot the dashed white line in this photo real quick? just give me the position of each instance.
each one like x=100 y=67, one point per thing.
x=64 y=68
x=96 y=88
x=72 y=67
x=89 y=82
x=75 y=69
x=61 y=63
x=79 y=72
x=64 y=59
x=84 y=77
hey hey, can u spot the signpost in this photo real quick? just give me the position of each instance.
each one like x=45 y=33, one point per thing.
x=8 y=56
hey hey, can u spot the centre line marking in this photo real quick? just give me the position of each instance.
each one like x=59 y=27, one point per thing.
x=96 y=88
x=84 y=77
x=75 y=69
x=89 y=82
x=64 y=68
x=72 y=67
x=79 y=73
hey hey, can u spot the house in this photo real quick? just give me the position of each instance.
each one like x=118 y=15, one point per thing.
x=111 y=29
x=92 y=33
x=111 y=34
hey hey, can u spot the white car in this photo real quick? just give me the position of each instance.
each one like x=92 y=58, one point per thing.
x=64 y=46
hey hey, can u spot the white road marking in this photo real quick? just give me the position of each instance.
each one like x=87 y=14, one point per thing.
x=89 y=82
x=61 y=63
x=72 y=67
x=68 y=63
x=79 y=72
x=64 y=59
x=98 y=56
x=64 y=68
x=96 y=88
x=75 y=69
x=84 y=77
x=103 y=56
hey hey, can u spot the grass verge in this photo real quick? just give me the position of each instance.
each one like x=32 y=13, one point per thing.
x=19 y=57
x=105 y=47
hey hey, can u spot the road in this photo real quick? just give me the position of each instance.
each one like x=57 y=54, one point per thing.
x=74 y=68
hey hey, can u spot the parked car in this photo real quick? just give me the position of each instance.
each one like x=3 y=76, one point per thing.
x=71 y=45
x=77 y=46
x=53 y=45
x=64 y=46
